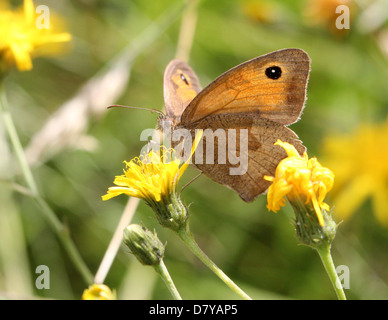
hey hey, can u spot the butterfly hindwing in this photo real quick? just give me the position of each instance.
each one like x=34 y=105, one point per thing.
x=248 y=154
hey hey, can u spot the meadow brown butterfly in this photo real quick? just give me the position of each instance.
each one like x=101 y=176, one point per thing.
x=259 y=98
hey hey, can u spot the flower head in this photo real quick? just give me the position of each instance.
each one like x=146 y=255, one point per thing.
x=301 y=180
x=150 y=177
x=21 y=37
x=360 y=160
x=98 y=292
x=154 y=178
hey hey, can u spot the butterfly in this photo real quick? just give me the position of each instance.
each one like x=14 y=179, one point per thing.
x=255 y=101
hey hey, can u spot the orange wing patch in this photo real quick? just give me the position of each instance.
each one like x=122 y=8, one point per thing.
x=247 y=88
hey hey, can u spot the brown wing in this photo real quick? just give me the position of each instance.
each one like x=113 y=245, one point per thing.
x=272 y=86
x=254 y=149
x=181 y=85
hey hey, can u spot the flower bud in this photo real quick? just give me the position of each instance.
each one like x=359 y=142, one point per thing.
x=143 y=244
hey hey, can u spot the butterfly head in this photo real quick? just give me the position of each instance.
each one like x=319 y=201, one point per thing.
x=166 y=123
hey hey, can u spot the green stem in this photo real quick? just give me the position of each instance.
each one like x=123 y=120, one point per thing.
x=64 y=236
x=54 y=222
x=162 y=270
x=188 y=239
x=13 y=136
x=187 y=30
x=324 y=253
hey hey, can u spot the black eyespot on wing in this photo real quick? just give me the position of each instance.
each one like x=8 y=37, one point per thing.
x=184 y=78
x=273 y=72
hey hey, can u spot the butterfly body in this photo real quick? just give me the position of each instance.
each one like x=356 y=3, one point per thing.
x=248 y=107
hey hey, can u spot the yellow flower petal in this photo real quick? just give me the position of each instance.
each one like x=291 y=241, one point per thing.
x=22 y=57
x=29 y=11
x=289 y=148
x=380 y=205
x=197 y=139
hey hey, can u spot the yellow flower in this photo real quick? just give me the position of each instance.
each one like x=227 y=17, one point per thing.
x=301 y=180
x=154 y=178
x=21 y=38
x=151 y=177
x=148 y=177
x=98 y=292
x=360 y=160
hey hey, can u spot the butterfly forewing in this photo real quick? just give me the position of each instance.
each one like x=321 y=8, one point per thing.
x=250 y=87
x=181 y=85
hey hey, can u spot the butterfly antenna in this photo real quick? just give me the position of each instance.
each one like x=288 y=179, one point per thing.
x=140 y=108
x=191 y=181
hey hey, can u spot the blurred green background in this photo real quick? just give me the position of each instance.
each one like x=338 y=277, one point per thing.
x=257 y=249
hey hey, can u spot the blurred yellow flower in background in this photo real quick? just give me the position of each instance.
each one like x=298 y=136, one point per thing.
x=21 y=38
x=300 y=179
x=98 y=292
x=360 y=161
x=323 y=13
x=263 y=11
